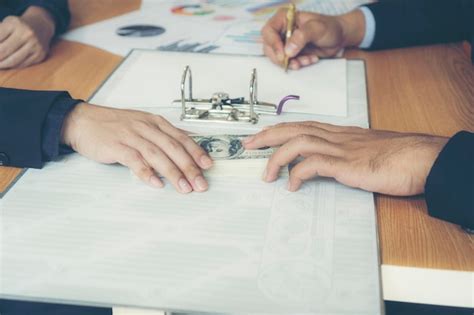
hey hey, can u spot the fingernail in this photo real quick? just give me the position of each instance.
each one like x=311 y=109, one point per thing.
x=290 y=186
x=156 y=182
x=293 y=186
x=248 y=139
x=206 y=161
x=201 y=183
x=314 y=59
x=264 y=175
x=305 y=62
x=184 y=186
x=291 y=49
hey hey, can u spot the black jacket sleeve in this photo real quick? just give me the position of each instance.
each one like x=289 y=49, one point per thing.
x=58 y=9
x=402 y=23
x=449 y=188
x=12 y=307
x=30 y=124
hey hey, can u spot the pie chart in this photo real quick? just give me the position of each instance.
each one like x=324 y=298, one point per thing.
x=192 y=9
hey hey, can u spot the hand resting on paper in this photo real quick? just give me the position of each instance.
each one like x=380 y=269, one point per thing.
x=315 y=36
x=25 y=40
x=380 y=161
x=146 y=143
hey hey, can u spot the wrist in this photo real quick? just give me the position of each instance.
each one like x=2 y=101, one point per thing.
x=70 y=127
x=41 y=20
x=353 y=28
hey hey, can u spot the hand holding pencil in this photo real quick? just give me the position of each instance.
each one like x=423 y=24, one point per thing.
x=307 y=37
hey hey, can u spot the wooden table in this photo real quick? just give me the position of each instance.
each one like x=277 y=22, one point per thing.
x=425 y=89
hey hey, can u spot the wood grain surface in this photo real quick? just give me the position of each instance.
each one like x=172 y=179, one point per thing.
x=429 y=90
x=422 y=89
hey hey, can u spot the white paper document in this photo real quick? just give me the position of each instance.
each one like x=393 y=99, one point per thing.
x=80 y=232
x=153 y=79
x=91 y=235
x=207 y=26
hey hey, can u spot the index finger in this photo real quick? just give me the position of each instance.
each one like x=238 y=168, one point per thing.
x=271 y=33
x=279 y=134
x=198 y=154
x=5 y=31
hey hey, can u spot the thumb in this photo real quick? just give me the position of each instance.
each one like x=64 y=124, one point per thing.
x=296 y=43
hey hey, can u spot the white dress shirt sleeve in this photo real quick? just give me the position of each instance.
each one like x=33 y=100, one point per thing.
x=369 y=28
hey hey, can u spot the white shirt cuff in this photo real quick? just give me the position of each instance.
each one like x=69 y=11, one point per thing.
x=369 y=28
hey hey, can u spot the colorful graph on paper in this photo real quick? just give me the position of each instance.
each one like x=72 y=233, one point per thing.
x=252 y=36
x=266 y=9
x=237 y=24
x=192 y=9
x=185 y=46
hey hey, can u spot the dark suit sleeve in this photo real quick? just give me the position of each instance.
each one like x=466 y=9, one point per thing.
x=11 y=307
x=58 y=9
x=449 y=188
x=402 y=23
x=30 y=125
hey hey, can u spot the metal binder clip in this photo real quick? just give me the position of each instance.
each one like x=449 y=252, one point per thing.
x=221 y=107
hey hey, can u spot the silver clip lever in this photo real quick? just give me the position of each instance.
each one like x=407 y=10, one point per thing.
x=221 y=107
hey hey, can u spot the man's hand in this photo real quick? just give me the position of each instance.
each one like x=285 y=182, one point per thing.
x=146 y=143
x=315 y=36
x=379 y=161
x=25 y=40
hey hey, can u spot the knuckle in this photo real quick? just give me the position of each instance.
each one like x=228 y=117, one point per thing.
x=274 y=162
x=28 y=33
x=174 y=145
x=141 y=125
x=297 y=129
x=304 y=138
x=299 y=37
x=132 y=156
x=143 y=171
x=126 y=132
x=262 y=135
x=184 y=138
x=298 y=172
x=152 y=150
x=12 y=19
x=159 y=119
x=197 y=151
x=172 y=173
x=191 y=170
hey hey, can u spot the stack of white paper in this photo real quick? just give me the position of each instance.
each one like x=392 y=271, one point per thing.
x=84 y=233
